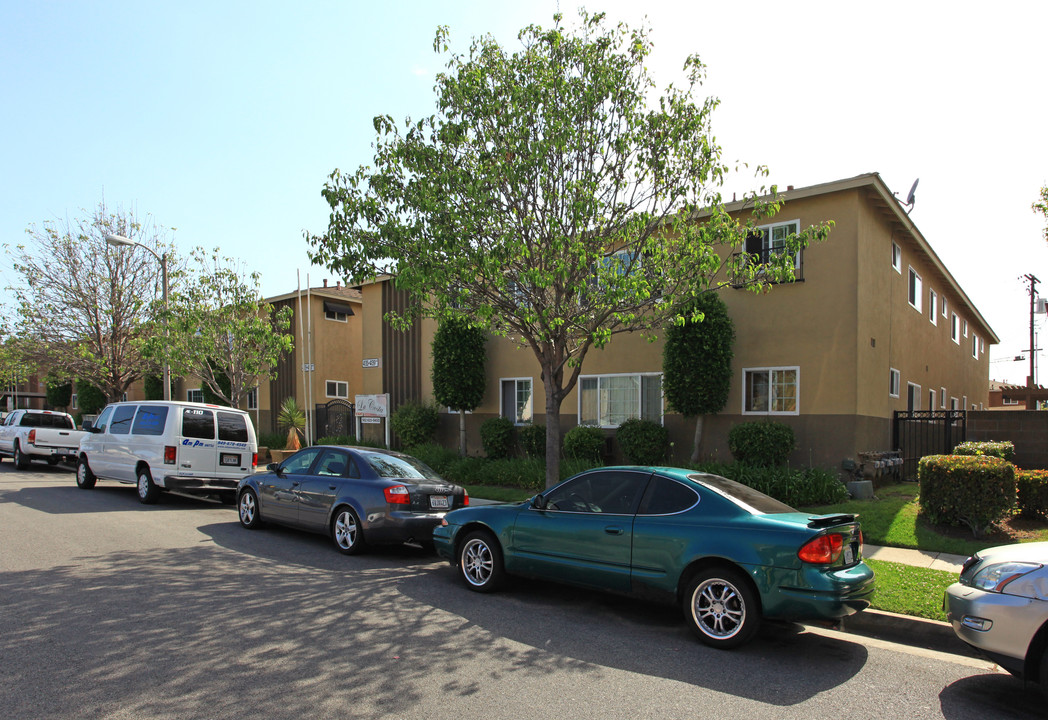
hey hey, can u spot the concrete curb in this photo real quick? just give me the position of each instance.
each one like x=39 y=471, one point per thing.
x=907 y=630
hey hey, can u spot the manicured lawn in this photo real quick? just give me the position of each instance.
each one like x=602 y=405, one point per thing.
x=909 y=590
x=502 y=494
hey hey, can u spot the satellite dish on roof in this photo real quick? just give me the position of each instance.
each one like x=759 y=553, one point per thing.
x=910 y=195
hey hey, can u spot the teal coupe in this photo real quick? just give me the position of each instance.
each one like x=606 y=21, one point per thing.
x=729 y=555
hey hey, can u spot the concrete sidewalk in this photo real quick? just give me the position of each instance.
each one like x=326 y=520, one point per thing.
x=918 y=558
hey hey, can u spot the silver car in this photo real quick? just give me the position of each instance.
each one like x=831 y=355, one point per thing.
x=1000 y=607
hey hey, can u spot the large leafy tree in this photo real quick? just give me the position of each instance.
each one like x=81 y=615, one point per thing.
x=458 y=368
x=696 y=362
x=550 y=199
x=84 y=306
x=221 y=330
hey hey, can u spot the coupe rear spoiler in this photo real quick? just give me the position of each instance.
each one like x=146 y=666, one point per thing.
x=822 y=521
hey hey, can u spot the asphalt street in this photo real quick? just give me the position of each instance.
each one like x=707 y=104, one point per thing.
x=111 y=609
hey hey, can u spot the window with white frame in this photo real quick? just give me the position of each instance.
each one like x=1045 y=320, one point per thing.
x=964 y=402
x=73 y=402
x=964 y=325
x=336 y=389
x=771 y=391
x=915 y=290
x=931 y=398
x=516 y=399
x=933 y=313
x=953 y=403
x=897 y=258
x=975 y=346
x=195 y=395
x=770 y=240
x=252 y=398
x=942 y=398
x=894 y=380
x=913 y=396
x=610 y=400
x=943 y=303
x=955 y=328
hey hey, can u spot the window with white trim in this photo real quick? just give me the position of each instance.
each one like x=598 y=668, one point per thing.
x=609 y=400
x=252 y=398
x=915 y=290
x=73 y=402
x=964 y=402
x=335 y=315
x=336 y=389
x=943 y=303
x=942 y=398
x=975 y=346
x=913 y=396
x=933 y=314
x=953 y=403
x=894 y=380
x=771 y=240
x=955 y=328
x=931 y=399
x=195 y=395
x=771 y=391
x=965 y=326
x=897 y=258
x=516 y=400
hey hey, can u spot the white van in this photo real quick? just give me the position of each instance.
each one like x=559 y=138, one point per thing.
x=162 y=445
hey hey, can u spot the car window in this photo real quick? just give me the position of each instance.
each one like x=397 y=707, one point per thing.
x=232 y=427
x=102 y=420
x=298 y=464
x=665 y=497
x=122 y=415
x=197 y=423
x=400 y=467
x=753 y=501
x=150 y=420
x=332 y=463
x=613 y=492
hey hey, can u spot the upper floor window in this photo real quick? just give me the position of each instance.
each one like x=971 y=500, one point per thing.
x=975 y=346
x=955 y=328
x=915 y=289
x=933 y=310
x=336 y=389
x=339 y=312
x=195 y=395
x=943 y=303
x=894 y=380
x=964 y=325
x=770 y=240
x=252 y=399
x=610 y=400
x=771 y=391
x=897 y=258
x=516 y=399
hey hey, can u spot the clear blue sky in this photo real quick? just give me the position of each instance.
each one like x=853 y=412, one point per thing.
x=224 y=119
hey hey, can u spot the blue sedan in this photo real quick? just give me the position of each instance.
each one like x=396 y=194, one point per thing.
x=727 y=554
x=358 y=496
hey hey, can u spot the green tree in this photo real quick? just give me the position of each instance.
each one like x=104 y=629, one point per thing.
x=458 y=368
x=89 y=398
x=696 y=362
x=154 y=387
x=1042 y=207
x=221 y=331
x=84 y=306
x=551 y=200
x=59 y=392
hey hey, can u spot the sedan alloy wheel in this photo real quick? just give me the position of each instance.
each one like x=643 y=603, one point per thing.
x=480 y=561
x=346 y=532
x=721 y=607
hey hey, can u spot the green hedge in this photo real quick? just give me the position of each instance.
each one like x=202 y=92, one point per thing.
x=337 y=440
x=763 y=442
x=972 y=490
x=798 y=488
x=1031 y=489
x=1003 y=449
x=527 y=473
x=532 y=439
x=272 y=440
x=643 y=442
x=584 y=442
x=415 y=423
x=496 y=435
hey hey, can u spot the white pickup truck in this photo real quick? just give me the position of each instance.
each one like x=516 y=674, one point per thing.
x=27 y=435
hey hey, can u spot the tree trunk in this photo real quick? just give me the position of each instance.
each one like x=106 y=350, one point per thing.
x=698 y=439
x=552 y=436
x=462 y=433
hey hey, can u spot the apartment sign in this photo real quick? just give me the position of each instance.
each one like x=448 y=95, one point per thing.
x=372 y=362
x=375 y=406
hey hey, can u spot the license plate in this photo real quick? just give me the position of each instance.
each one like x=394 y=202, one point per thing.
x=438 y=501
x=229 y=459
x=849 y=555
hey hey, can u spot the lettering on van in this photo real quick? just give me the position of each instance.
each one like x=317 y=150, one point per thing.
x=229 y=443
x=196 y=443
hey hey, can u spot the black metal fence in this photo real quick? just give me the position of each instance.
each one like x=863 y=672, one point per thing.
x=926 y=432
x=335 y=418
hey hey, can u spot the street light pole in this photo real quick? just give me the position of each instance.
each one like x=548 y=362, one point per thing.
x=121 y=241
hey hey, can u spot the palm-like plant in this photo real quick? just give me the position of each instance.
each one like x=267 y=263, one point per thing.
x=292 y=417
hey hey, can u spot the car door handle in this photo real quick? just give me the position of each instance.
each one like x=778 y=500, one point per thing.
x=296 y=483
x=613 y=530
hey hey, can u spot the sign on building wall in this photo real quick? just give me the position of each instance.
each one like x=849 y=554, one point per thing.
x=372 y=362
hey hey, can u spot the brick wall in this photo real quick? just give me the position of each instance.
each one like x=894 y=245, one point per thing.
x=1028 y=430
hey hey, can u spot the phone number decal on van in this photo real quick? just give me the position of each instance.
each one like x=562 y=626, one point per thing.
x=230 y=443
x=196 y=443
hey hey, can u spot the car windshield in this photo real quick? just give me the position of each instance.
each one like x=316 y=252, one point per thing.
x=742 y=495
x=400 y=466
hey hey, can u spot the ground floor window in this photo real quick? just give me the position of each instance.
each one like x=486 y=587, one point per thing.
x=893 y=382
x=610 y=400
x=771 y=391
x=252 y=399
x=913 y=397
x=337 y=389
x=516 y=399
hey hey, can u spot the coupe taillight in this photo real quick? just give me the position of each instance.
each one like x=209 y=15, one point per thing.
x=397 y=495
x=169 y=454
x=822 y=550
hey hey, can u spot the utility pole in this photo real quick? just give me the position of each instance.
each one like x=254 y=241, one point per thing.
x=1033 y=297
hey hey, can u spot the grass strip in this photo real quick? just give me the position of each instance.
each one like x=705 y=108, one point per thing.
x=910 y=590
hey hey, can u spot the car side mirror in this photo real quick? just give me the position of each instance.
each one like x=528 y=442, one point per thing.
x=88 y=425
x=275 y=468
x=538 y=502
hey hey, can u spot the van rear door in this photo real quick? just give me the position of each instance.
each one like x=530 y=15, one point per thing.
x=235 y=448
x=197 y=454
